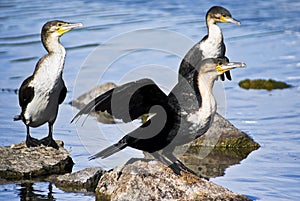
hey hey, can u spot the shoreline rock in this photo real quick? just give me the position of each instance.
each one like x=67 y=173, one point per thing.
x=84 y=180
x=19 y=162
x=155 y=181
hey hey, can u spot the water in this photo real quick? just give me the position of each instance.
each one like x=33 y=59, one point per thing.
x=268 y=41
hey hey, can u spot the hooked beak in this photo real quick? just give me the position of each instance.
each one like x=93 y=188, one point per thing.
x=231 y=20
x=229 y=66
x=232 y=65
x=68 y=27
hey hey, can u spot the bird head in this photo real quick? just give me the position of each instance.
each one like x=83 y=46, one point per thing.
x=220 y=14
x=217 y=66
x=58 y=28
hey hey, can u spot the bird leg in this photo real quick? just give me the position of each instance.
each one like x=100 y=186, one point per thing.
x=171 y=157
x=30 y=141
x=176 y=169
x=49 y=141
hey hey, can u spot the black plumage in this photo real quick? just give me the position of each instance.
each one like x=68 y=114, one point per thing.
x=179 y=117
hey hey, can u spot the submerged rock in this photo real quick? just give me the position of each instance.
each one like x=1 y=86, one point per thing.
x=263 y=84
x=84 y=180
x=20 y=162
x=155 y=181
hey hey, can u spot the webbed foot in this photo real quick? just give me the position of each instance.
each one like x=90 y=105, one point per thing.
x=32 y=142
x=49 y=142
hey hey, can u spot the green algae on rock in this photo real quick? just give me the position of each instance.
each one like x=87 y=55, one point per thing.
x=263 y=84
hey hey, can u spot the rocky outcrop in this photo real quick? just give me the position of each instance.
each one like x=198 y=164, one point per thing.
x=84 y=180
x=155 y=181
x=19 y=162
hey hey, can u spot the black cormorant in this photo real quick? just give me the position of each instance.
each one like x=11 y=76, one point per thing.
x=41 y=93
x=211 y=45
x=179 y=117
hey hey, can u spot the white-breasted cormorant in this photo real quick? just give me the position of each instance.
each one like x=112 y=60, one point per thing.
x=180 y=117
x=41 y=93
x=211 y=45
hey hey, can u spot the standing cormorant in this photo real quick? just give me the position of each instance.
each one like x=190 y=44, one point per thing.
x=179 y=117
x=211 y=45
x=41 y=93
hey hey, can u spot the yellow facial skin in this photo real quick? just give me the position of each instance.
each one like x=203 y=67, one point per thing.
x=220 y=69
x=65 y=27
x=224 y=67
x=227 y=19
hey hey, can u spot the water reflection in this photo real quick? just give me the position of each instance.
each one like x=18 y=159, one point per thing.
x=216 y=162
x=28 y=193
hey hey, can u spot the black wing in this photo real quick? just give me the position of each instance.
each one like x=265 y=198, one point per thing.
x=153 y=135
x=62 y=94
x=190 y=61
x=26 y=93
x=127 y=102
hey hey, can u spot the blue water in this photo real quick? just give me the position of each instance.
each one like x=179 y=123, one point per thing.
x=268 y=41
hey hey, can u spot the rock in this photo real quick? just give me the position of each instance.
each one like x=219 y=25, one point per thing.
x=19 y=162
x=222 y=133
x=263 y=84
x=85 y=98
x=155 y=181
x=85 y=180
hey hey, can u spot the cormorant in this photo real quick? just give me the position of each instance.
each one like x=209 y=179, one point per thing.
x=41 y=93
x=179 y=117
x=211 y=45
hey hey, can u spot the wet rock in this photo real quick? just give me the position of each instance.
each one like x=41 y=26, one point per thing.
x=19 y=162
x=85 y=98
x=263 y=84
x=84 y=180
x=224 y=134
x=155 y=181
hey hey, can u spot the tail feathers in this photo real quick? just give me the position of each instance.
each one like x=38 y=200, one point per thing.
x=17 y=117
x=109 y=151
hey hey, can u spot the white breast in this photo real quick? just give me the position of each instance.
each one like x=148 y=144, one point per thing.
x=211 y=47
x=47 y=84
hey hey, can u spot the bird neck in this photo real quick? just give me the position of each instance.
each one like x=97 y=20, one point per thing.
x=214 y=32
x=208 y=105
x=53 y=45
x=51 y=66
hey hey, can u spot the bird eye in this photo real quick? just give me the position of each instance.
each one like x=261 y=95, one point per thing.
x=59 y=24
